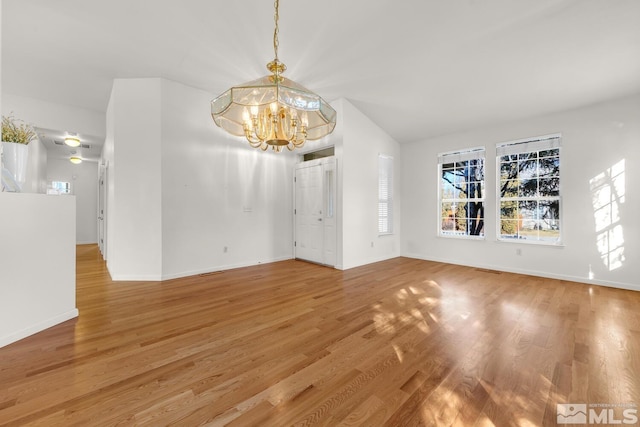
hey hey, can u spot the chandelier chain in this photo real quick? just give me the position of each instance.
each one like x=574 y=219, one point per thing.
x=276 y=18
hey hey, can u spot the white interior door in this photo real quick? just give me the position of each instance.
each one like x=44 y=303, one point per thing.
x=315 y=211
x=308 y=213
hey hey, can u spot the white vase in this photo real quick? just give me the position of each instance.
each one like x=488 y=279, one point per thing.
x=15 y=158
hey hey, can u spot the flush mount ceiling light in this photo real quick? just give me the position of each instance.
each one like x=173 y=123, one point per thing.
x=75 y=160
x=273 y=111
x=72 y=141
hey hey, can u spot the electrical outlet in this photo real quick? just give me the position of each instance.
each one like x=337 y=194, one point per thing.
x=225 y=249
x=518 y=251
x=371 y=244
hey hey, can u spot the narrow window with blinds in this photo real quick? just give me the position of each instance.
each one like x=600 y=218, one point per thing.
x=461 y=193
x=385 y=194
x=529 y=190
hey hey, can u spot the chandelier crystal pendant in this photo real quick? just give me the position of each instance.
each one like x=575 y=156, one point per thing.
x=273 y=111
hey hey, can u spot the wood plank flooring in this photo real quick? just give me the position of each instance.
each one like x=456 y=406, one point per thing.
x=402 y=342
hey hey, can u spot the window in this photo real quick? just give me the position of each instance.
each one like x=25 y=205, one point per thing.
x=385 y=194
x=529 y=190
x=59 y=187
x=330 y=187
x=319 y=154
x=461 y=193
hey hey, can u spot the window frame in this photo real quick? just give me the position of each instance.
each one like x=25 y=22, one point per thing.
x=58 y=190
x=458 y=156
x=384 y=159
x=526 y=146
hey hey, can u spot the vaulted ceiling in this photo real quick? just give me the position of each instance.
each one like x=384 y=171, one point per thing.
x=418 y=68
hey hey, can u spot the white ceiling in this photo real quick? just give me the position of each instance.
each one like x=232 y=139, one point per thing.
x=418 y=68
x=53 y=139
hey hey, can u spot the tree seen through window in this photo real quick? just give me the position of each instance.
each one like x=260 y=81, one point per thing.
x=529 y=189
x=462 y=196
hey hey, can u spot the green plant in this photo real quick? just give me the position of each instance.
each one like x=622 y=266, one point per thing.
x=14 y=130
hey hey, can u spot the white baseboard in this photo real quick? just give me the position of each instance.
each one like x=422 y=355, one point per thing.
x=370 y=261
x=38 y=327
x=545 y=274
x=222 y=268
x=136 y=278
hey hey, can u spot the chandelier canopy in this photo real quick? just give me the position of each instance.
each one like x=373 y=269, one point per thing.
x=273 y=111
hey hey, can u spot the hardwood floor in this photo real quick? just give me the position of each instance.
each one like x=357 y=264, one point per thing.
x=401 y=342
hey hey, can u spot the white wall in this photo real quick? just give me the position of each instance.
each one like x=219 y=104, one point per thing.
x=218 y=192
x=106 y=166
x=133 y=150
x=37 y=257
x=180 y=190
x=360 y=141
x=37 y=263
x=84 y=185
x=594 y=139
x=51 y=115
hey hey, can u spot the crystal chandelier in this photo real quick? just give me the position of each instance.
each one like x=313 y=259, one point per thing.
x=273 y=111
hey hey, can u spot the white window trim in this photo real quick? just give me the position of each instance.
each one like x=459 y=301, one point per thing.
x=524 y=145
x=389 y=199
x=458 y=156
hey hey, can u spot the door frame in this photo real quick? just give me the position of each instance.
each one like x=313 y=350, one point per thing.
x=103 y=182
x=327 y=163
